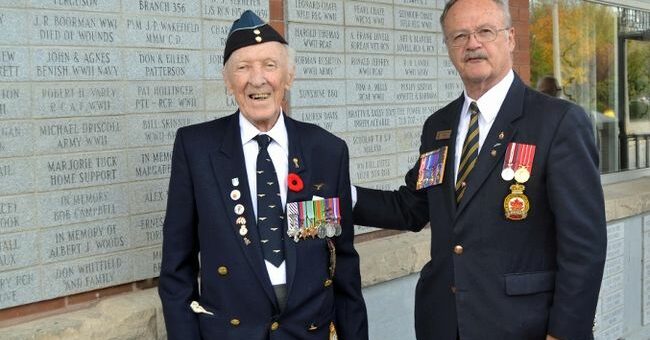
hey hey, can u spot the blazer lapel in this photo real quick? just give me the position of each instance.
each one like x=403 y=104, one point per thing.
x=453 y=117
x=502 y=131
x=298 y=166
x=229 y=169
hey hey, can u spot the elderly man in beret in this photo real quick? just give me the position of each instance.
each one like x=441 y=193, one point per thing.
x=258 y=236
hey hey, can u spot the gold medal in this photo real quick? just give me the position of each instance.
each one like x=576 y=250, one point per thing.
x=522 y=175
x=516 y=204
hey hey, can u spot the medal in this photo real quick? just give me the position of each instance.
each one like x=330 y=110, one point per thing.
x=235 y=181
x=243 y=230
x=239 y=209
x=235 y=195
x=508 y=173
x=516 y=204
x=522 y=175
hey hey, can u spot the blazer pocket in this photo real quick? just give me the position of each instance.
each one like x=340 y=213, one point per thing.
x=529 y=283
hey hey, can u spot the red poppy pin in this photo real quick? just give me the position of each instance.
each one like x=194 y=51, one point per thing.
x=294 y=182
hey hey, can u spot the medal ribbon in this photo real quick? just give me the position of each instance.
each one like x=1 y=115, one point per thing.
x=310 y=212
x=526 y=156
x=509 y=157
x=292 y=214
x=319 y=210
x=301 y=213
x=336 y=210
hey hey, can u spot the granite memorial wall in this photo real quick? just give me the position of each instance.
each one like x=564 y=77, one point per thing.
x=92 y=92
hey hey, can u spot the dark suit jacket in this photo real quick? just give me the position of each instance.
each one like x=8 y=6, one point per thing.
x=514 y=279
x=200 y=236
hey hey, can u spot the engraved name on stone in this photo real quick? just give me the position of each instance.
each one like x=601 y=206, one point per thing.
x=51 y=63
x=80 y=240
x=408 y=139
x=155 y=64
x=316 y=38
x=15 y=138
x=316 y=11
x=82 y=205
x=332 y=119
x=13 y=64
x=405 y=161
x=148 y=196
x=164 y=97
x=414 y=115
x=370 y=91
x=157 y=129
x=449 y=89
x=368 y=14
x=16 y=175
x=415 y=67
x=367 y=143
x=218 y=98
x=416 y=43
x=81 y=5
x=417 y=19
x=366 y=40
x=16 y=250
x=152 y=31
x=14 y=26
x=215 y=34
x=612 y=300
x=19 y=287
x=151 y=163
x=446 y=69
x=416 y=91
x=319 y=65
x=80 y=170
x=15 y=101
x=17 y=213
x=79 y=134
x=212 y=65
x=613 y=283
x=369 y=66
x=74 y=28
x=146 y=263
x=73 y=99
x=165 y=7
x=230 y=10
x=370 y=117
x=147 y=228
x=372 y=168
x=318 y=93
x=87 y=274
x=613 y=266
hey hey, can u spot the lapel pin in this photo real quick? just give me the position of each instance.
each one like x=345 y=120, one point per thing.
x=241 y=220
x=318 y=186
x=247 y=241
x=239 y=209
x=295 y=162
x=493 y=153
x=235 y=194
x=501 y=135
x=235 y=181
x=243 y=230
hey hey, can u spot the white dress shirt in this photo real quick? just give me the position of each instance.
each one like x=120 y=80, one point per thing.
x=279 y=152
x=489 y=104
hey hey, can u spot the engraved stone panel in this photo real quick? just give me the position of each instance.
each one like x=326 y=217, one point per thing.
x=15 y=101
x=332 y=119
x=420 y=67
x=74 y=28
x=145 y=8
x=147 y=228
x=417 y=19
x=316 y=11
x=370 y=91
x=419 y=43
x=446 y=69
x=154 y=64
x=368 y=143
x=421 y=3
x=157 y=129
x=13 y=64
x=368 y=14
x=55 y=64
x=215 y=34
x=415 y=91
x=406 y=161
x=449 y=90
x=14 y=26
x=16 y=138
x=365 y=40
x=408 y=139
x=414 y=115
x=84 y=239
x=79 y=170
x=17 y=213
x=164 y=96
x=320 y=65
x=316 y=38
x=369 y=169
x=86 y=274
x=19 y=287
x=146 y=262
x=77 y=99
x=17 y=250
x=82 y=205
x=150 y=163
x=148 y=196
x=317 y=93
x=154 y=31
x=16 y=175
x=79 y=5
x=79 y=134
x=217 y=98
x=230 y=10
x=370 y=117
x=369 y=66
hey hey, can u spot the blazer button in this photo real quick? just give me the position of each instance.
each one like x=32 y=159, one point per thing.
x=275 y=325
x=235 y=322
x=458 y=249
x=223 y=271
x=327 y=283
x=493 y=153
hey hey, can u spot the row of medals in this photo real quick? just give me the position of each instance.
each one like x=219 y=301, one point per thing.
x=322 y=230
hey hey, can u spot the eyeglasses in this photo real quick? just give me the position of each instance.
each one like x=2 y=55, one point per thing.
x=482 y=35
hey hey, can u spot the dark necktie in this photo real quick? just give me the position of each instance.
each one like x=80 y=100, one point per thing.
x=269 y=205
x=469 y=155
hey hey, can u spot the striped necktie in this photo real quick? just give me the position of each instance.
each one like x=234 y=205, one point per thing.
x=469 y=155
x=269 y=205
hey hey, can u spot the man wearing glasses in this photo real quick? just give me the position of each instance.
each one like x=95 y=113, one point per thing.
x=508 y=179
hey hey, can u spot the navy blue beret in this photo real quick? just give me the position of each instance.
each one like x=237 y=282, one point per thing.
x=248 y=30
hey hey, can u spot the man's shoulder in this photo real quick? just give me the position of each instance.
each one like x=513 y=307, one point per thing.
x=207 y=126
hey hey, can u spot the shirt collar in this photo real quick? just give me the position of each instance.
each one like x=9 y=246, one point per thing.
x=278 y=132
x=490 y=103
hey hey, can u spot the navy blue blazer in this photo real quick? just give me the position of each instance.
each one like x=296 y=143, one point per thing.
x=202 y=240
x=494 y=278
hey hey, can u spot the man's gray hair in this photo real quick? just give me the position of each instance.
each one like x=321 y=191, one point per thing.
x=503 y=4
